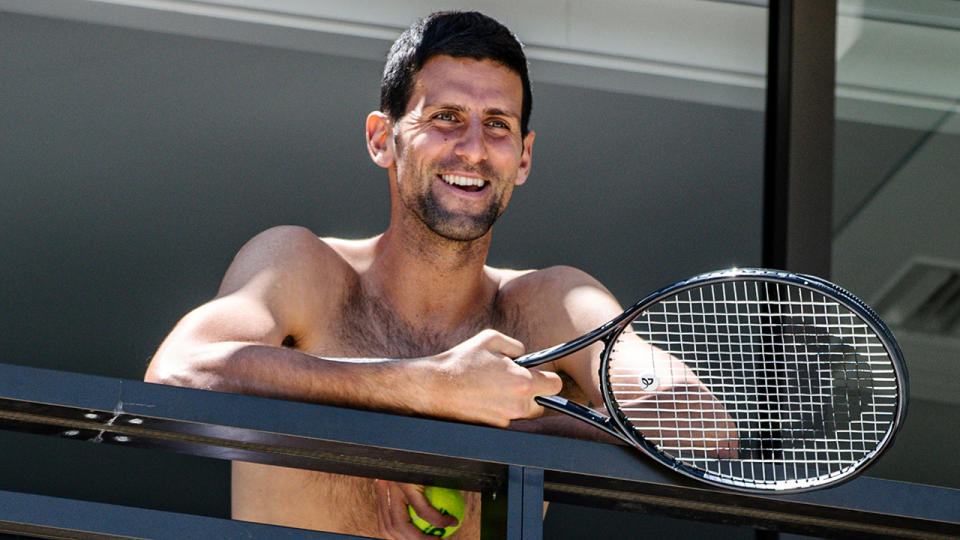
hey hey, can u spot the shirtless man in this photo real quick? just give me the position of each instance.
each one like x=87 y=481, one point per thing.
x=411 y=321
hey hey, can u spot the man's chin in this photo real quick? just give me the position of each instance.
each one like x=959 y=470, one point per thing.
x=462 y=234
x=456 y=225
x=462 y=228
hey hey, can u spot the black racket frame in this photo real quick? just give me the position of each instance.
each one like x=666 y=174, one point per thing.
x=609 y=332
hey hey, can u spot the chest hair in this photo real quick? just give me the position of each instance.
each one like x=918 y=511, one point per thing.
x=369 y=328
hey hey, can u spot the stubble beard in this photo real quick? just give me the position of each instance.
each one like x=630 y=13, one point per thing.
x=450 y=225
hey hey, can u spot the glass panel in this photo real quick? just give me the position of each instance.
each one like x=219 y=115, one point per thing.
x=649 y=157
x=896 y=201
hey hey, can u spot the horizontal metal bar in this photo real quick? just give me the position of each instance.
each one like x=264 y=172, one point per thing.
x=734 y=509
x=52 y=517
x=228 y=426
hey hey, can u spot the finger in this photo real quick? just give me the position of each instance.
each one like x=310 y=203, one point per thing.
x=383 y=505
x=502 y=343
x=398 y=517
x=545 y=383
x=424 y=509
x=393 y=524
x=510 y=347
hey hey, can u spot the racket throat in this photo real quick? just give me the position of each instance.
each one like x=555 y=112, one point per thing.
x=574 y=409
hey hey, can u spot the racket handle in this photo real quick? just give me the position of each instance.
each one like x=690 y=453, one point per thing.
x=578 y=411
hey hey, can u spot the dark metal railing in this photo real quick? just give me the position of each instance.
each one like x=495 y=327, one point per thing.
x=514 y=471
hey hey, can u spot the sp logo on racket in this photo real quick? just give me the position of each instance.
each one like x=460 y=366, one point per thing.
x=649 y=382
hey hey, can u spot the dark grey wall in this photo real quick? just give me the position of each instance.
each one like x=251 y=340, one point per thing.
x=133 y=165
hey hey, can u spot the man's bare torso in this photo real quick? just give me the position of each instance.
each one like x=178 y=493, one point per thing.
x=364 y=326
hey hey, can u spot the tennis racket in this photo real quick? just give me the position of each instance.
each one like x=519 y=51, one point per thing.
x=750 y=379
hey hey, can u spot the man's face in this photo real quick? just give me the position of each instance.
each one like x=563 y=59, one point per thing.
x=458 y=148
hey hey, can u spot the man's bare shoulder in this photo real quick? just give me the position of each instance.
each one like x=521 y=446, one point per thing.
x=561 y=301
x=288 y=249
x=292 y=266
x=546 y=284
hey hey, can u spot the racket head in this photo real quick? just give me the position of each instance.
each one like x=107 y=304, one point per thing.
x=803 y=386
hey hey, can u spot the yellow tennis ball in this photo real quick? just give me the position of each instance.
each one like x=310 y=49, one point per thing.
x=447 y=501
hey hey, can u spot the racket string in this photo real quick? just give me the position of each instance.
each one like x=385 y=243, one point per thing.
x=794 y=385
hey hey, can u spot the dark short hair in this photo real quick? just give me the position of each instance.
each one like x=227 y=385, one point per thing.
x=458 y=34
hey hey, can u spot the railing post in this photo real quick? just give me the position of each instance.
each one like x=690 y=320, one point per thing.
x=532 y=521
x=515 y=510
x=798 y=164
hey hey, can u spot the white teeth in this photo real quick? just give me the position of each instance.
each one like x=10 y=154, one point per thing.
x=462 y=181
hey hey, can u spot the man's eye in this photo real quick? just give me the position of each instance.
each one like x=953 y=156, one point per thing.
x=445 y=116
x=500 y=124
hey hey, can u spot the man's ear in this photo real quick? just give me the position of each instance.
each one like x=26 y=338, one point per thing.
x=525 y=159
x=380 y=138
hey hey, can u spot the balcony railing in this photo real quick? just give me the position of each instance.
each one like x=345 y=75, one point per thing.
x=514 y=471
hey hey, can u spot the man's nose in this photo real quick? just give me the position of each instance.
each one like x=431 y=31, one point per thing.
x=472 y=146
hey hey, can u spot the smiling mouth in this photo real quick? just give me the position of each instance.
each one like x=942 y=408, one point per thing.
x=465 y=183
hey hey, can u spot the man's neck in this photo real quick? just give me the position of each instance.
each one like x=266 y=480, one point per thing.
x=428 y=281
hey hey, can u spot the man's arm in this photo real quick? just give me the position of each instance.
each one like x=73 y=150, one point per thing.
x=284 y=279
x=576 y=304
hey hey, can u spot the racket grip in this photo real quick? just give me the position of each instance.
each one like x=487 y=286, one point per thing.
x=578 y=411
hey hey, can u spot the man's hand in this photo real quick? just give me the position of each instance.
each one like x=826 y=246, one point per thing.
x=484 y=384
x=394 y=520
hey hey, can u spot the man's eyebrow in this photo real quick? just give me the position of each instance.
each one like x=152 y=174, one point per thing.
x=492 y=111
x=500 y=112
x=447 y=106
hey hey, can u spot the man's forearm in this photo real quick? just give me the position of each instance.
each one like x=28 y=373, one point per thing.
x=474 y=381
x=279 y=372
